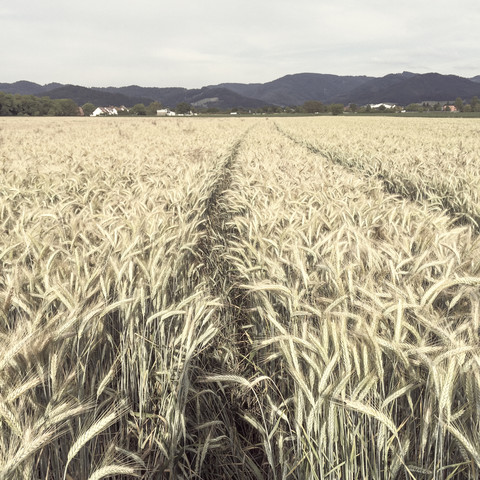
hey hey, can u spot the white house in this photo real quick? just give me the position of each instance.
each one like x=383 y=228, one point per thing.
x=165 y=112
x=108 y=111
x=104 y=111
x=386 y=105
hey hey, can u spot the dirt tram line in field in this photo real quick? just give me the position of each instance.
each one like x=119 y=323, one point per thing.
x=220 y=267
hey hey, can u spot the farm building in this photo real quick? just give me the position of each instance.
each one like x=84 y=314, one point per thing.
x=108 y=111
x=165 y=112
x=386 y=105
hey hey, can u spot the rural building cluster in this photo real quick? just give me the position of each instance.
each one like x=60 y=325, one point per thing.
x=110 y=111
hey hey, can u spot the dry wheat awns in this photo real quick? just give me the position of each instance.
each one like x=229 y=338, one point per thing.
x=236 y=298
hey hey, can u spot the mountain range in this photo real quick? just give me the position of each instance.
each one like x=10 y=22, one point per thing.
x=400 y=88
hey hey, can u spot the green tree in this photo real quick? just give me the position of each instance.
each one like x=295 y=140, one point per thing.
x=183 y=108
x=55 y=110
x=28 y=105
x=138 y=109
x=353 y=107
x=475 y=104
x=313 y=106
x=88 y=109
x=45 y=105
x=414 y=107
x=153 y=107
x=337 y=108
x=68 y=107
x=459 y=104
x=5 y=101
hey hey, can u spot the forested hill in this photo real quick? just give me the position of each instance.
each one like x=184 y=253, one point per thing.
x=401 y=88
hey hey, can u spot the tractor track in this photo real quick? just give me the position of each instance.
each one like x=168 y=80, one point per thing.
x=224 y=280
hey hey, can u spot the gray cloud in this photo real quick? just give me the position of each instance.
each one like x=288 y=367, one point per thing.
x=192 y=43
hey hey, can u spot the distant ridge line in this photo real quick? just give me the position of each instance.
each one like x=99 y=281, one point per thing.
x=290 y=90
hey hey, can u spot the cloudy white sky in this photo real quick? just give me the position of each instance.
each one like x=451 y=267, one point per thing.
x=193 y=43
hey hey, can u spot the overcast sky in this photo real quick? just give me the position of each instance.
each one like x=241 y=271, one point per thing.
x=192 y=43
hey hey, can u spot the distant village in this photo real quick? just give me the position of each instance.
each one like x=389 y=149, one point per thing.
x=351 y=108
x=163 y=112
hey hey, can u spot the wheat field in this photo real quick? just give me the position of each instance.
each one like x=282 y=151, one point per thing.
x=242 y=298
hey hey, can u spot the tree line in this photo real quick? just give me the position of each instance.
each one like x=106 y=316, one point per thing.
x=29 y=105
x=459 y=104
